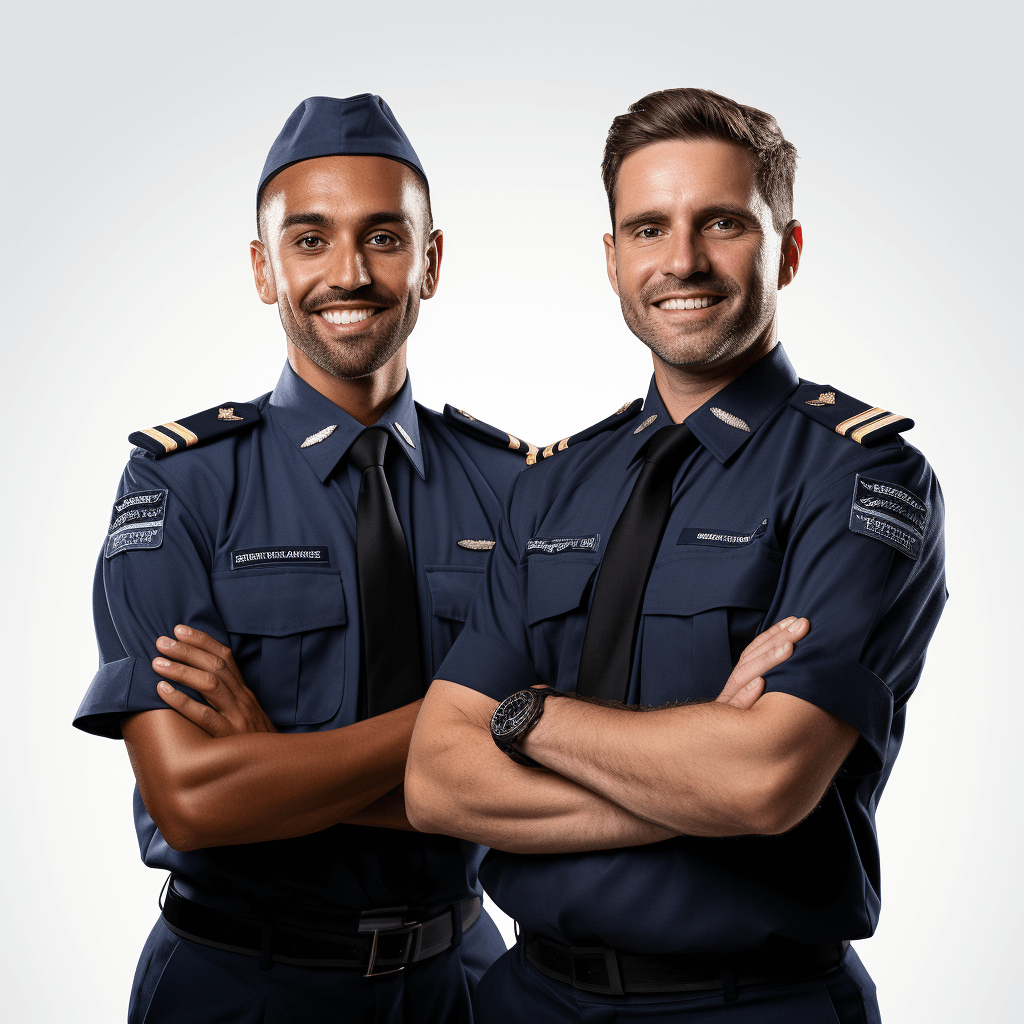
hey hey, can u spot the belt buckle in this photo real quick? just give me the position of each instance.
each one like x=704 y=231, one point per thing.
x=389 y=923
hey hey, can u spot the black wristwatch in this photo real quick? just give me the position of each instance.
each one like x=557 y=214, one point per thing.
x=515 y=716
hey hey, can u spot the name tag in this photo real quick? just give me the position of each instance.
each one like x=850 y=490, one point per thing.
x=722 y=538
x=556 y=545
x=249 y=557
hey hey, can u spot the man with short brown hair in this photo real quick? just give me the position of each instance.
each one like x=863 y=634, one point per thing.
x=632 y=566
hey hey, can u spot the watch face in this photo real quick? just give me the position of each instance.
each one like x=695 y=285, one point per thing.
x=511 y=713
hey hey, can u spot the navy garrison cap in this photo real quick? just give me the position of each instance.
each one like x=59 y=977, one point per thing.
x=324 y=126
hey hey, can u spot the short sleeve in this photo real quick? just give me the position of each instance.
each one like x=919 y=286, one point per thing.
x=864 y=563
x=491 y=654
x=146 y=582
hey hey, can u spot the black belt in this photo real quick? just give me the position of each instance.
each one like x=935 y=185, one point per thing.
x=617 y=972
x=387 y=940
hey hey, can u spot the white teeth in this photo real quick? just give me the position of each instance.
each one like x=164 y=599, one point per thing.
x=346 y=316
x=700 y=303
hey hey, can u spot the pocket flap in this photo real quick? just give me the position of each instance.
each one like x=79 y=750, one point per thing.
x=555 y=585
x=697 y=582
x=278 y=603
x=452 y=589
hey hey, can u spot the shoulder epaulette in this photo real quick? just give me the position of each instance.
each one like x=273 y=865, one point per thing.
x=468 y=424
x=627 y=411
x=198 y=429
x=860 y=422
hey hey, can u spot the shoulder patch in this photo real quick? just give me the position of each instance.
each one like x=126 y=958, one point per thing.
x=889 y=512
x=178 y=435
x=136 y=522
x=622 y=414
x=467 y=424
x=860 y=422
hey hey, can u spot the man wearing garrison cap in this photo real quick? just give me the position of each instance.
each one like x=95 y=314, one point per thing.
x=299 y=566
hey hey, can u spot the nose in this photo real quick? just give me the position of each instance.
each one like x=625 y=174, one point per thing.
x=684 y=255
x=347 y=267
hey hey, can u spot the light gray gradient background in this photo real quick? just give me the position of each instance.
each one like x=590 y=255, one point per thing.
x=133 y=140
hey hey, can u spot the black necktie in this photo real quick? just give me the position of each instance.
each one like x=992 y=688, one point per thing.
x=607 y=656
x=387 y=592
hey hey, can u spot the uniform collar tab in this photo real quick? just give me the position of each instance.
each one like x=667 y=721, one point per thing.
x=725 y=422
x=323 y=431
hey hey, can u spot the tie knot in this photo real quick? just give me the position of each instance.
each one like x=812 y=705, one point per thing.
x=670 y=445
x=368 y=449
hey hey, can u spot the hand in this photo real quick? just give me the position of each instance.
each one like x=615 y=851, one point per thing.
x=209 y=667
x=764 y=652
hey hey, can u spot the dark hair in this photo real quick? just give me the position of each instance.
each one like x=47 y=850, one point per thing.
x=702 y=114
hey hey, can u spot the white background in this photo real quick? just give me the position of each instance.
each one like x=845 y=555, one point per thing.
x=133 y=139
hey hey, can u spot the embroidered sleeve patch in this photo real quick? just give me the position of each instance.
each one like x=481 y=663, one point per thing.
x=889 y=513
x=556 y=545
x=137 y=521
x=247 y=557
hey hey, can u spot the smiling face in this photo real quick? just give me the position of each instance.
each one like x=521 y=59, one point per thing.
x=695 y=260
x=347 y=254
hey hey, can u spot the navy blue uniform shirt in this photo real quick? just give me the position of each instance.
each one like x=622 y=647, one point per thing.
x=775 y=514
x=257 y=547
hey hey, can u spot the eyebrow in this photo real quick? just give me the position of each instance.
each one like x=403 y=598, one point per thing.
x=323 y=221
x=661 y=216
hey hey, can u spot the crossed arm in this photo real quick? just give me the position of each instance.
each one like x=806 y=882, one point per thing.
x=219 y=774
x=619 y=777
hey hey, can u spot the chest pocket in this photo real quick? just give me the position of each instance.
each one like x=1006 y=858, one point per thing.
x=288 y=626
x=557 y=587
x=700 y=610
x=451 y=591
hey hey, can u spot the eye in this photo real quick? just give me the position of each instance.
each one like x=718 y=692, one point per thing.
x=382 y=238
x=310 y=243
x=648 y=233
x=726 y=226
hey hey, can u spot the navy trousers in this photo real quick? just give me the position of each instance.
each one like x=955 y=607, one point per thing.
x=182 y=982
x=514 y=992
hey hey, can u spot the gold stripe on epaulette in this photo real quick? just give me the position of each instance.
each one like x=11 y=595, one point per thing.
x=168 y=442
x=563 y=444
x=619 y=412
x=843 y=427
x=513 y=442
x=183 y=432
x=862 y=432
x=531 y=454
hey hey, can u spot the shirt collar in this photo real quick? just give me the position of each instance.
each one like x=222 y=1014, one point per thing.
x=326 y=430
x=727 y=420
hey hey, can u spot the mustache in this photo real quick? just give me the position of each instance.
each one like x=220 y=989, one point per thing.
x=371 y=295
x=694 y=283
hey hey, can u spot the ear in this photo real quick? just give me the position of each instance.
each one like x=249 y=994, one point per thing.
x=262 y=272
x=792 y=249
x=609 y=259
x=435 y=250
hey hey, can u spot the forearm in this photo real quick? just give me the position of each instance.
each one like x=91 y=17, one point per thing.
x=255 y=787
x=387 y=812
x=460 y=784
x=702 y=769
